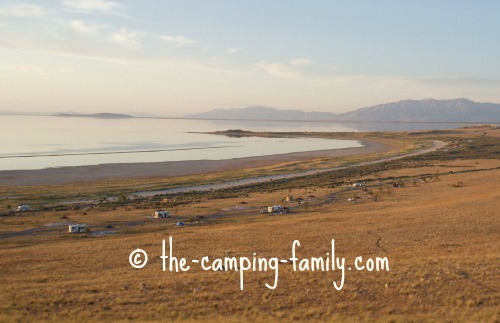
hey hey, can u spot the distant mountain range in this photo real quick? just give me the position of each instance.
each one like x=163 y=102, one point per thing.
x=428 y=110
x=262 y=113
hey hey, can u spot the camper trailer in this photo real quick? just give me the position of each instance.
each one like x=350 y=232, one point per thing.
x=161 y=214
x=77 y=228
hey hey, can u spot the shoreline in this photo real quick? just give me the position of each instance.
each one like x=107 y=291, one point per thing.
x=120 y=171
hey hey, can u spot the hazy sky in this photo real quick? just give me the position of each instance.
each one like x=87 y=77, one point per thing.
x=177 y=57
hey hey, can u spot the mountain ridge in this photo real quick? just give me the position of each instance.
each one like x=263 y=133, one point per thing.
x=262 y=113
x=426 y=110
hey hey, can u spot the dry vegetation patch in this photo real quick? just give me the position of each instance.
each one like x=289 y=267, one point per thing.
x=441 y=244
x=437 y=228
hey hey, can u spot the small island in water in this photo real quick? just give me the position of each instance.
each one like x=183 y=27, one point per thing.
x=96 y=115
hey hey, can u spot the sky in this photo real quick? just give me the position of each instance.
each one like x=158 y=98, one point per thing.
x=172 y=58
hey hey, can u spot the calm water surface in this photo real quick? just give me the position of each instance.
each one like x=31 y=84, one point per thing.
x=35 y=142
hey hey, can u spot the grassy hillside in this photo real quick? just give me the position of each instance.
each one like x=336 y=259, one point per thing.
x=435 y=219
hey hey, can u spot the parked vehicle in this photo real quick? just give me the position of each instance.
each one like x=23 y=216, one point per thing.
x=77 y=228
x=275 y=209
x=161 y=214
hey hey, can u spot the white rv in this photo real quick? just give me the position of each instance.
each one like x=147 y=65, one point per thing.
x=77 y=228
x=161 y=214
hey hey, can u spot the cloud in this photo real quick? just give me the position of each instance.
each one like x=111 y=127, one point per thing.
x=126 y=39
x=292 y=69
x=85 y=28
x=234 y=50
x=24 y=10
x=92 y=5
x=91 y=39
x=300 y=62
x=278 y=69
x=99 y=35
x=177 y=40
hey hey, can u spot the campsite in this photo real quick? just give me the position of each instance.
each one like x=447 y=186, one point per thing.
x=437 y=228
x=249 y=161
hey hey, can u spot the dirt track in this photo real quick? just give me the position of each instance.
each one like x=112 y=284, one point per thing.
x=254 y=180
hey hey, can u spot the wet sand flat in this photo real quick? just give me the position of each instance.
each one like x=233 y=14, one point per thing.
x=64 y=175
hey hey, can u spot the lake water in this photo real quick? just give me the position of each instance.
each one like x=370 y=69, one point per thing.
x=35 y=142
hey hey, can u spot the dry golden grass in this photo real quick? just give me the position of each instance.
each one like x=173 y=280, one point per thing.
x=441 y=241
x=437 y=168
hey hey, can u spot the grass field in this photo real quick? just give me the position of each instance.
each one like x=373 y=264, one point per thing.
x=434 y=218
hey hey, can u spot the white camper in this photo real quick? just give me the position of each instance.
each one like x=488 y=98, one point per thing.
x=77 y=228
x=23 y=208
x=161 y=214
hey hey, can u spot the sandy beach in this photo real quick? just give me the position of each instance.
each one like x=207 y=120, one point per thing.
x=64 y=175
